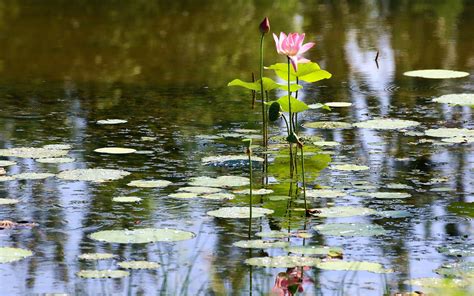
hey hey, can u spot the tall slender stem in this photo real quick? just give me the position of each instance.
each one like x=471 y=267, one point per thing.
x=264 y=121
x=290 y=114
x=304 y=183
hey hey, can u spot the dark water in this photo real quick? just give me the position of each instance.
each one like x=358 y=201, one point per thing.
x=164 y=66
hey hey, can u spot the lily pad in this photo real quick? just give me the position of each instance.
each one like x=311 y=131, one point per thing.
x=386 y=124
x=111 y=121
x=93 y=175
x=449 y=132
x=459 y=140
x=324 y=193
x=183 y=195
x=436 y=74
x=388 y=195
x=8 y=254
x=8 y=201
x=313 y=250
x=102 y=274
x=273 y=234
x=32 y=176
x=394 y=214
x=441 y=283
x=353 y=266
x=149 y=183
x=344 y=211
x=328 y=125
x=456 y=99
x=459 y=270
x=5 y=163
x=219 y=196
x=229 y=159
x=143 y=235
x=349 y=167
x=58 y=146
x=200 y=189
x=261 y=191
x=96 y=256
x=260 y=244
x=398 y=186
x=56 y=160
x=6 y=178
x=282 y=261
x=115 y=150
x=29 y=152
x=350 y=229
x=326 y=143
x=239 y=212
x=458 y=250
x=338 y=104
x=127 y=199
x=222 y=181
x=139 y=265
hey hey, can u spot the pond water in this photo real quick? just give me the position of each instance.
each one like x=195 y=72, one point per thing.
x=163 y=66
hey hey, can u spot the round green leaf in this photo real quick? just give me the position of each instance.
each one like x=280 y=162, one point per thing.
x=143 y=235
x=101 y=274
x=8 y=254
x=282 y=261
x=96 y=256
x=139 y=265
x=93 y=175
x=353 y=266
x=260 y=244
x=239 y=212
x=149 y=183
x=386 y=124
x=350 y=229
x=436 y=74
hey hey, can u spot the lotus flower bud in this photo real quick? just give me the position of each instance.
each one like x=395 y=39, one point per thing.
x=265 y=26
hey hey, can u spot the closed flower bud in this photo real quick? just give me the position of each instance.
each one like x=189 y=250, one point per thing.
x=265 y=26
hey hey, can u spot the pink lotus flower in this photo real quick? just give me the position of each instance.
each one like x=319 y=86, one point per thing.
x=292 y=46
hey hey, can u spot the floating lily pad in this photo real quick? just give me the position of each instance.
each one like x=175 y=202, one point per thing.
x=219 y=196
x=139 y=265
x=461 y=208
x=388 y=195
x=127 y=199
x=28 y=152
x=101 y=274
x=328 y=125
x=183 y=195
x=149 y=183
x=260 y=244
x=441 y=283
x=278 y=198
x=5 y=163
x=261 y=191
x=6 y=178
x=456 y=99
x=394 y=214
x=143 y=235
x=326 y=143
x=282 y=261
x=200 y=190
x=93 y=175
x=460 y=270
x=115 y=150
x=458 y=250
x=353 y=265
x=398 y=186
x=229 y=159
x=338 y=104
x=58 y=146
x=239 y=212
x=449 y=132
x=111 y=121
x=8 y=254
x=96 y=256
x=349 y=167
x=32 y=176
x=222 y=181
x=324 y=193
x=56 y=160
x=436 y=74
x=459 y=140
x=386 y=124
x=8 y=201
x=273 y=234
x=350 y=229
x=313 y=250
x=345 y=211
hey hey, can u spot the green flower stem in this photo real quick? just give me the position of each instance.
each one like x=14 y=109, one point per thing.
x=264 y=121
x=290 y=114
x=287 y=126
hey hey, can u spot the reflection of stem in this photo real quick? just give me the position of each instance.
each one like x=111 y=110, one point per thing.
x=250 y=273
x=251 y=186
x=264 y=125
x=304 y=183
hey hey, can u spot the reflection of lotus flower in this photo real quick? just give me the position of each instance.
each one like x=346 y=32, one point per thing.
x=292 y=46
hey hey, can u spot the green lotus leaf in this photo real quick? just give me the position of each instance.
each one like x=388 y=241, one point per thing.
x=200 y=189
x=296 y=105
x=309 y=72
x=222 y=181
x=314 y=250
x=8 y=254
x=115 y=150
x=139 y=265
x=349 y=167
x=149 y=183
x=101 y=274
x=273 y=234
x=127 y=199
x=282 y=261
x=343 y=211
x=28 y=152
x=143 y=235
x=386 y=124
x=260 y=244
x=96 y=256
x=93 y=175
x=353 y=266
x=350 y=229
x=5 y=163
x=327 y=125
x=436 y=74
x=239 y=212
x=111 y=121
x=8 y=201
x=56 y=160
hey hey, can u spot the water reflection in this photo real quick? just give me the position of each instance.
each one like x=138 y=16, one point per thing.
x=163 y=66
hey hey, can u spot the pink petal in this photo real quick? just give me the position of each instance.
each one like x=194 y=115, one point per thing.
x=294 y=62
x=306 y=47
x=300 y=40
x=281 y=42
x=277 y=43
x=302 y=60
